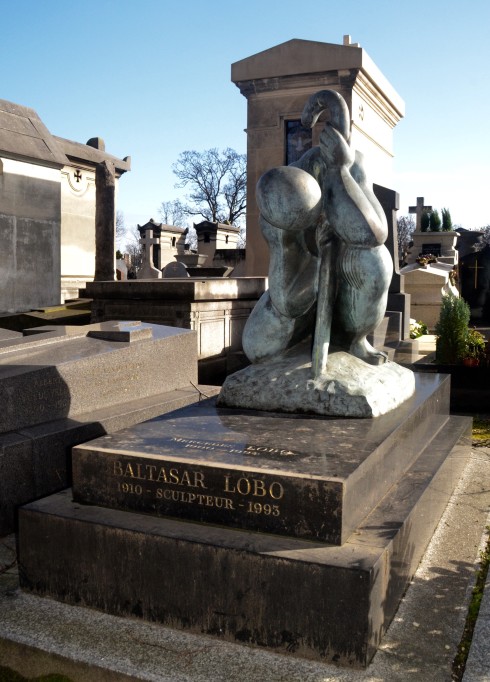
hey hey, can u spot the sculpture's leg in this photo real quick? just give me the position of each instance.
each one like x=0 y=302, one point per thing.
x=325 y=301
x=364 y=279
x=268 y=333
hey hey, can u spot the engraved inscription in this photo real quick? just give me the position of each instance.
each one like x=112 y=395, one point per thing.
x=202 y=500
x=246 y=450
x=255 y=487
x=152 y=472
x=177 y=484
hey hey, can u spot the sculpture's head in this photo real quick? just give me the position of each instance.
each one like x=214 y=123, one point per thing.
x=334 y=103
x=289 y=198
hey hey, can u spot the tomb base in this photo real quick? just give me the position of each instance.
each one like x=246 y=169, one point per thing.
x=306 y=598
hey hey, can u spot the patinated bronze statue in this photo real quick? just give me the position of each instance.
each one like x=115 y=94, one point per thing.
x=329 y=271
x=329 y=276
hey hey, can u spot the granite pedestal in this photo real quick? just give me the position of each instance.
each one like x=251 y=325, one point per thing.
x=298 y=534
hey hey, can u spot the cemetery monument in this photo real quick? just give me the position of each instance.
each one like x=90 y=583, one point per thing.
x=276 y=527
x=276 y=84
x=48 y=221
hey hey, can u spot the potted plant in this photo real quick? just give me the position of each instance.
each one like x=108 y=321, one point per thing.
x=474 y=349
x=458 y=346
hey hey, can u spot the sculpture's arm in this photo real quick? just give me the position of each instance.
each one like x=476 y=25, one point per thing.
x=349 y=209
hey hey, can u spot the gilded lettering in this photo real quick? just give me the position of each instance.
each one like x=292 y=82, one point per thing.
x=150 y=470
x=162 y=475
x=276 y=491
x=185 y=480
x=118 y=470
x=254 y=487
x=259 y=488
x=243 y=486
x=173 y=475
x=199 y=480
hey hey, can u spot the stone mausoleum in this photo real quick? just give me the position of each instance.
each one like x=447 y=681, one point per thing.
x=277 y=83
x=47 y=210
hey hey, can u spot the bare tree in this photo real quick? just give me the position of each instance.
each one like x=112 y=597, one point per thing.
x=216 y=182
x=242 y=237
x=173 y=212
x=483 y=239
x=120 y=227
x=134 y=249
x=405 y=229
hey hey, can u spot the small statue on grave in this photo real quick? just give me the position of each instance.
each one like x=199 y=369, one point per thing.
x=329 y=269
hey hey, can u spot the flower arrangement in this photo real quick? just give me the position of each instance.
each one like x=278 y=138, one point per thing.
x=426 y=259
x=417 y=329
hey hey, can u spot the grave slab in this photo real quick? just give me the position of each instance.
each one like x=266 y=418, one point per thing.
x=62 y=386
x=65 y=375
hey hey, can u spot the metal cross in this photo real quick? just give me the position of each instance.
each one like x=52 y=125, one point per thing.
x=476 y=267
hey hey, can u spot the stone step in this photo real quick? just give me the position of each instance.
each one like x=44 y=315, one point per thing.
x=288 y=595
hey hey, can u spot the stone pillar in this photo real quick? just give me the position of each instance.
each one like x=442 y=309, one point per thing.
x=105 y=221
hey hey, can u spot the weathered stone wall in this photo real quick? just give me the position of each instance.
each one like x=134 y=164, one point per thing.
x=30 y=226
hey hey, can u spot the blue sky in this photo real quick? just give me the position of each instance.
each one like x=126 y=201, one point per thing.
x=152 y=78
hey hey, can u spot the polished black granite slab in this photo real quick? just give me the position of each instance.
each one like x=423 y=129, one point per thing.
x=307 y=477
x=297 y=597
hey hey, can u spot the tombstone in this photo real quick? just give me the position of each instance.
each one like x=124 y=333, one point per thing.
x=474 y=277
x=427 y=285
x=441 y=244
x=174 y=270
x=121 y=270
x=67 y=384
x=398 y=299
x=148 y=270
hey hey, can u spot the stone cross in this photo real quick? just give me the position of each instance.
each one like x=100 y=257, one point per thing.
x=419 y=209
x=148 y=270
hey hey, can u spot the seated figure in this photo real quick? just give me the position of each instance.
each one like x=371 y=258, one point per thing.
x=329 y=270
